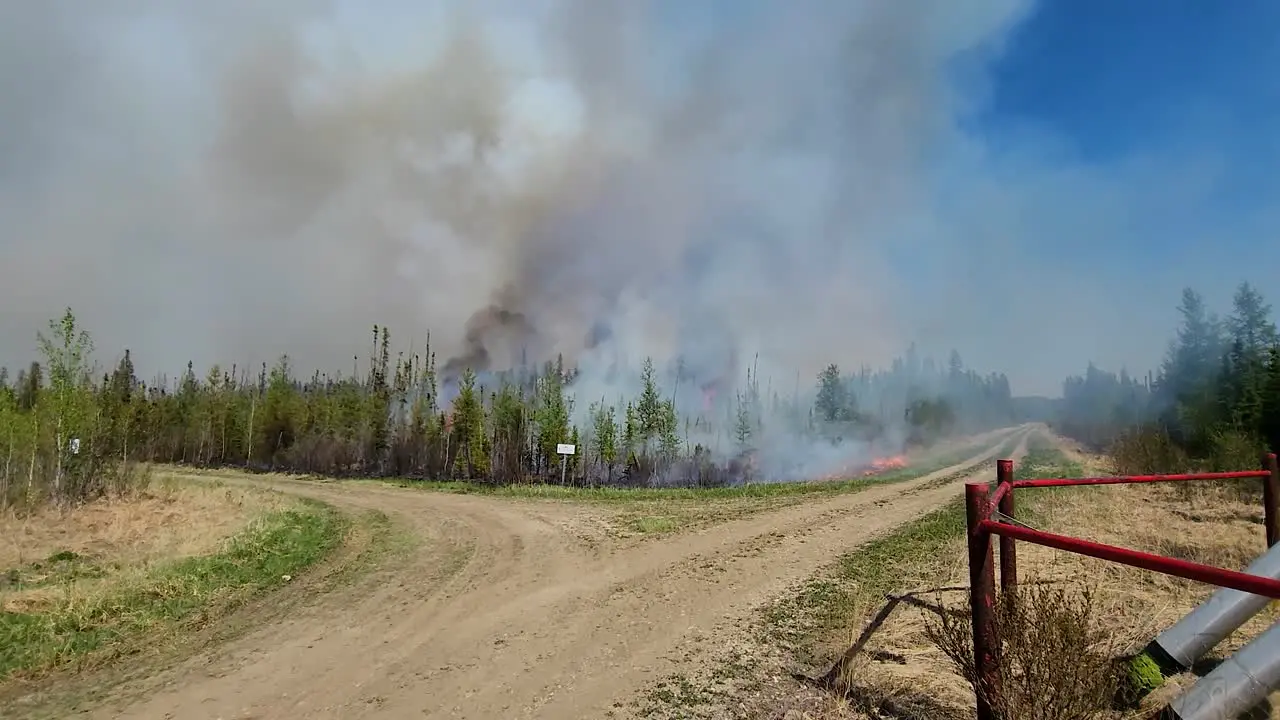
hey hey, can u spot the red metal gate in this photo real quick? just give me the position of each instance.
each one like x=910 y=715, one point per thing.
x=981 y=503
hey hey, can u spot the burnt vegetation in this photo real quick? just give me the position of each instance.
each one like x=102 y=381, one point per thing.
x=1214 y=403
x=72 y=431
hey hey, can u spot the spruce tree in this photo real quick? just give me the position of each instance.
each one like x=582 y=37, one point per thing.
x=649 y=407
x=605 y=433
x=468 y=432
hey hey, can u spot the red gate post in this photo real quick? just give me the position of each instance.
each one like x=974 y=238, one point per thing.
x=1008 y=551
x=1271 y=496
x=982 y=597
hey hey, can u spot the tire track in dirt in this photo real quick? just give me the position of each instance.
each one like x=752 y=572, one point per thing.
x=507 y=613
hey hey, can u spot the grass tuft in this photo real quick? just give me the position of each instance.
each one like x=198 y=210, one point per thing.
x=110 y=622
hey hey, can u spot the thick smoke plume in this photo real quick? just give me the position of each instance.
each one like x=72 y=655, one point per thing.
x=243 y=180
x=602 y=179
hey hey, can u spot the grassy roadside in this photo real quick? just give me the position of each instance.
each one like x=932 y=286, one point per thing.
x=749 y=491
x=663 y=516
x=817 y=620
x=81 y=629
x=900 y=672
x=808 y=629
x=340 y=549
x=650 y=512
x=1044 y=460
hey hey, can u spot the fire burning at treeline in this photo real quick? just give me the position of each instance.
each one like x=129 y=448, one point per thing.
x=776 y=440
x=861 y=469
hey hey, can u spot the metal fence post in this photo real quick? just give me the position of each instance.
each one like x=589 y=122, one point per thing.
x=1008 y=551
x=1270 y=496
x=982 y=597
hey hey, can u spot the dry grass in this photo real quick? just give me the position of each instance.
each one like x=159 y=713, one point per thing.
x=51 y=555
x=1088 y=463
x=134 y=578
x=903 y=674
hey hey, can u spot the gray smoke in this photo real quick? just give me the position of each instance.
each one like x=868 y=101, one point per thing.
x=600 y=178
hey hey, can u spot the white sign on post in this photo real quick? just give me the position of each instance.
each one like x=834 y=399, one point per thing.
x=564 y=450
x=74 y=446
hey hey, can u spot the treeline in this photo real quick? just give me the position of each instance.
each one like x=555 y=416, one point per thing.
x=1215 y=401
x=1099 y=406
x=69 y=431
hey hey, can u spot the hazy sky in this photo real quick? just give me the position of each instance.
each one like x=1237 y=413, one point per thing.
x=815 y=180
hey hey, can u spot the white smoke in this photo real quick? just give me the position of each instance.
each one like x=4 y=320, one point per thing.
x=231 y=181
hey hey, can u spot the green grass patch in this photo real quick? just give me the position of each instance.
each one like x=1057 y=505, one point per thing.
x=59 y=568
x=821 y=613
x=654 y=518
x=188 y=592
x=622 y=495
x=878 y=566
x=1043 y=460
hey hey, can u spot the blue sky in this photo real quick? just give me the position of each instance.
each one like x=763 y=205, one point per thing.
x=1116 y=80
x=1116 y=77
x=1173 y=107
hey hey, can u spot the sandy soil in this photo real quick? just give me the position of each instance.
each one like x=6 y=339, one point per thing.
x=519 y=609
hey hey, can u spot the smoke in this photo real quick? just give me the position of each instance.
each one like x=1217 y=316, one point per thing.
x=602 y=179
x=495 y=328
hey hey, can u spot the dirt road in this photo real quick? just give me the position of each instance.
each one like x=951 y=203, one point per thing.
x=507 y=612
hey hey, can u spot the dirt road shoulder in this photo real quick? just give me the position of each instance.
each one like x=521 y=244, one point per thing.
x=745 y=669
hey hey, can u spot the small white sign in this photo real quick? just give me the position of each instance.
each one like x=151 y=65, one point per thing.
x=74 y=446
x=564 y=449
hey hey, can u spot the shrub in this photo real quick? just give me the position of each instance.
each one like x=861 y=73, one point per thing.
x=1055 y=657
x=1148 y=450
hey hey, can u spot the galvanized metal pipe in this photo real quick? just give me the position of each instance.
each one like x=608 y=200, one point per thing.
x=1237 y=685
x=1179 y=647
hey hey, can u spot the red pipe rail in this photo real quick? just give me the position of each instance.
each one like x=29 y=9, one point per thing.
x=1133 y=479
x=981 y=501
x=1209 y=574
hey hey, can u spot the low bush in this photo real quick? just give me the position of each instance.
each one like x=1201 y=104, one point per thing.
x=1056 y=658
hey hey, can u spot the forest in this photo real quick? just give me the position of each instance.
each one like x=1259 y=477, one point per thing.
x=1213 y=403
x=71 y=430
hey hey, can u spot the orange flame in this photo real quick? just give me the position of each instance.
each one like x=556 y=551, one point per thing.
x=885 y=464
x=875 y=467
